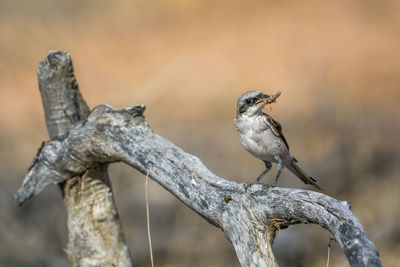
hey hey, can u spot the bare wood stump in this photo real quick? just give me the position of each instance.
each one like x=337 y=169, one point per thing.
x=95 y=237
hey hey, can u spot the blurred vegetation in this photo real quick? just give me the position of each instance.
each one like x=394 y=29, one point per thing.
x=336 y=62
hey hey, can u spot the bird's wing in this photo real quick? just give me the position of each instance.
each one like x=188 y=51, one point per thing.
x=276 y=128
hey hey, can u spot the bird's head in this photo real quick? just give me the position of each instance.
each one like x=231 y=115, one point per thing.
x=251 y=102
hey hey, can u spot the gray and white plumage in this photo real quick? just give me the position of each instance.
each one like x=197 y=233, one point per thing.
x=262 y=136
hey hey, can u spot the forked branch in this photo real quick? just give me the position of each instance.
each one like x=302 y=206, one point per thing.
x=249 y=218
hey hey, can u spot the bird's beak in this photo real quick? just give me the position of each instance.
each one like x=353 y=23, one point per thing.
x=264 y=99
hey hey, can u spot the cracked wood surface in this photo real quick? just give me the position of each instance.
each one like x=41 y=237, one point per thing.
x=95 y=236
x=249 y=218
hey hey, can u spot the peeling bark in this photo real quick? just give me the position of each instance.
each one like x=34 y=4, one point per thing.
x=95 y=236
x=249 y=218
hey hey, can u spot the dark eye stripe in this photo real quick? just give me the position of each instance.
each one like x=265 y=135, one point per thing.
x=251 y=100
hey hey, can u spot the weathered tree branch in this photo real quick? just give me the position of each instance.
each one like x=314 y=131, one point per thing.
x=249 y=218
x=95 y=237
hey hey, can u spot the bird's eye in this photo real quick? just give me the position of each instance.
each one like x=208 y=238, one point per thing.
x=248 y=101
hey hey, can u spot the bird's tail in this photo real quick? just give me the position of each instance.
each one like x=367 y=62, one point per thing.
x=299 y=172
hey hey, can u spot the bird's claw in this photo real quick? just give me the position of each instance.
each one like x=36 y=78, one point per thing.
x=264 y=186
x=247 y=185
x=271 y=185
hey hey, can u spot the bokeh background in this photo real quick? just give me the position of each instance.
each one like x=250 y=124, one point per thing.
x=337 y=63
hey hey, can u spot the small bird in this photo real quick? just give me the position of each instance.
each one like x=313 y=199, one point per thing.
x=262 y=136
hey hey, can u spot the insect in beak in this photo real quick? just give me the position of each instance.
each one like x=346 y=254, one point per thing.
x=272 y=99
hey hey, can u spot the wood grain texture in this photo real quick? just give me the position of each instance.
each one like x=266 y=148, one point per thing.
x=95 y=237
x=249 y=218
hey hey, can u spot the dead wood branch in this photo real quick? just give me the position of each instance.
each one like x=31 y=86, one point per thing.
x=95 y=236
x=250 y=219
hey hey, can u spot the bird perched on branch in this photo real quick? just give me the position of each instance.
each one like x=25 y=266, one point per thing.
x=262 y=136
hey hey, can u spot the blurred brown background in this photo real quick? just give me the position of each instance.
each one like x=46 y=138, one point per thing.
x=336 y=62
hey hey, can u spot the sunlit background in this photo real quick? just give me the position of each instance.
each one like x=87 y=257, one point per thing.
x=336 y=62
